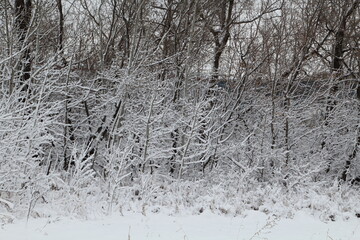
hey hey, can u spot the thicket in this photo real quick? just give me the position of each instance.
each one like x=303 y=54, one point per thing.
x=232 y=104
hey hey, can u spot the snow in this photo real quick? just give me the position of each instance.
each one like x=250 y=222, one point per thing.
x=9 y=204
x=252 y=225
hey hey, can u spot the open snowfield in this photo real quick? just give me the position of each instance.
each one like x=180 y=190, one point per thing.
x=207 y=226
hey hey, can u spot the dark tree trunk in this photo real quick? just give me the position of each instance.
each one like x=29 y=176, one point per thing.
x=61 y=30
x=337 y=65
x=22 y=22
x=221 y=37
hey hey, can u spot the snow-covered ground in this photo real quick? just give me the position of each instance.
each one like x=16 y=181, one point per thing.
x=253 y=225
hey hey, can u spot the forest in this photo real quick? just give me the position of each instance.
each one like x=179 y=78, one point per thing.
x=185 y=104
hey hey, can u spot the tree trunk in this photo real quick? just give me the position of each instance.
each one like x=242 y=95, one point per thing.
x=336 y=67
x=22 y=22
x=61 y=30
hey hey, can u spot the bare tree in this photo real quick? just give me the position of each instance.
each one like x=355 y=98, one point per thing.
x=23 y=14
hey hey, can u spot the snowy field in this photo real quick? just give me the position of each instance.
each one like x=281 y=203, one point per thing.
x=253 y=225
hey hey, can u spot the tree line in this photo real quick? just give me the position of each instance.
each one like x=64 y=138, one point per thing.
x=114 y=89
